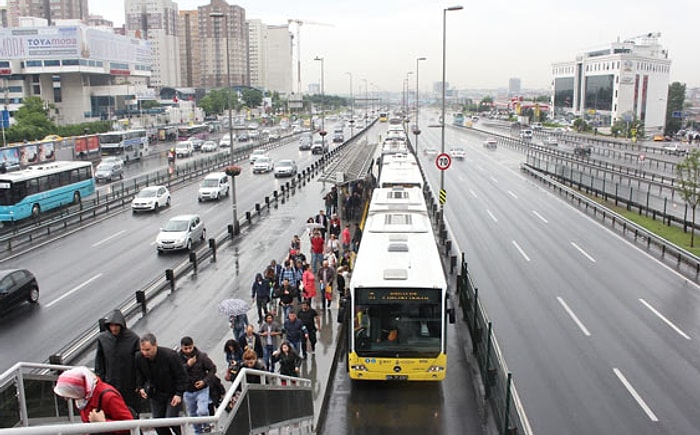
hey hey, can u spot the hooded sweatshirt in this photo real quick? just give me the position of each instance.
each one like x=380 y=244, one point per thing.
x=114 y=359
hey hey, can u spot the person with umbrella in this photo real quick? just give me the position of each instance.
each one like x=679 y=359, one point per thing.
x=237 y=312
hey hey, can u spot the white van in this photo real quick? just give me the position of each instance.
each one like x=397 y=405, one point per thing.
x=214 y=186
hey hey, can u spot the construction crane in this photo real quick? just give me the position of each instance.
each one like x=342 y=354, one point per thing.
x=299 y=23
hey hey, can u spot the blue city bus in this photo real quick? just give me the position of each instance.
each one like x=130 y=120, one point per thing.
x=36 y=189
x=458 y=119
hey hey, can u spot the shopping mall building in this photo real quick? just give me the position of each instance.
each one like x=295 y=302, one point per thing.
x=81 y=73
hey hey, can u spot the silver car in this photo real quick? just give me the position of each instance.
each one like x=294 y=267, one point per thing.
x=285 y=168
x=181 y=232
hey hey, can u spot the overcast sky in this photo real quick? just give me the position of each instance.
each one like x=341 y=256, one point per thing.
x=487 y=42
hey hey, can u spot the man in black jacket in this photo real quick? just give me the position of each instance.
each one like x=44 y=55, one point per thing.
x=201 y=374
x=160 y=378
x=114 y=360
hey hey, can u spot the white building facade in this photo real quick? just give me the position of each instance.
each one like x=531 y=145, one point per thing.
x=625 y=81
x=82 y=73
x=279 y=59
x=157 y=22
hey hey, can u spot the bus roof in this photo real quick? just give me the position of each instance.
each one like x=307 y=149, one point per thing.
x=400 y=170
x=43 y=169
x=123 y=131
x=398 y=250
x=397 y=199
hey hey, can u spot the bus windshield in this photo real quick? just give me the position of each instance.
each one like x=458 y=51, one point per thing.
x=111 y=138
x=401 y=323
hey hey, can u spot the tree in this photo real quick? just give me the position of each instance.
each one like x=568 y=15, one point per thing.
x=688 y=172
x=676 y=100
x=31 y=121
x=252 y=97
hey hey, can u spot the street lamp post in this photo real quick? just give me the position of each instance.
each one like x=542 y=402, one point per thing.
x=416 y=130
x=323 y=113
x=352 y=108
x=216 y=16
x=366 y=114
x=442 y=116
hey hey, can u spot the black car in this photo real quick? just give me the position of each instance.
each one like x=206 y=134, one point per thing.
x=16 y=286
x=338 y=137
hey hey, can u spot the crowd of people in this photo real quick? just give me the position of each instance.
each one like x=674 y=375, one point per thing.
x=131 y=370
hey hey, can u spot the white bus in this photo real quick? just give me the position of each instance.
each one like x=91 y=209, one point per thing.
x=400 y=170
x=128 y=144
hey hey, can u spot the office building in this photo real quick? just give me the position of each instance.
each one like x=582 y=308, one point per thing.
x=214 y=35
x=49 y=10
x=624 y=81
x=156 y=21
x=190 y=49
x=513 y=87
x=270 y=57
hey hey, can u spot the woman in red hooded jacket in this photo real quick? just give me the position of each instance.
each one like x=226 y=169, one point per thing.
x=96 y=400
x=309 y=281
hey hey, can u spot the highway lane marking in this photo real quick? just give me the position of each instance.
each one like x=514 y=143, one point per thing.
x=635 y=395
x=108 y=238
x=492 y=216
x=584 y=253
x=494 y=179
x=571 y=313
x=473 y=193
x=540 y=216
x=73 y=290
x=663 y=318
x=512 y=194
x=521 y=251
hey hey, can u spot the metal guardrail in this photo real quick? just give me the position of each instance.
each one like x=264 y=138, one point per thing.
x=47 y=414
x=680 y=257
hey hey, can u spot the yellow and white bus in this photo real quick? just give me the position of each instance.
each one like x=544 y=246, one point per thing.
x=398 y=312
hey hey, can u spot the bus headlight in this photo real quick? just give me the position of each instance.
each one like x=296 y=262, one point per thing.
x=358 y=367
x=436 y=369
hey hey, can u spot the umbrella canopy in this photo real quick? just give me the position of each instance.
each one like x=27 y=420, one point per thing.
x=233 y=307
x=313 y=226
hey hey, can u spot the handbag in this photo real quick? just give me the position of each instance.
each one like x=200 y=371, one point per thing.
x=329 y=292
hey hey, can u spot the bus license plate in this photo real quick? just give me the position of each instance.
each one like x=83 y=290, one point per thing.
x=396 y=377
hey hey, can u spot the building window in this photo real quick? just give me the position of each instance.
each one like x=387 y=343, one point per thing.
x=33 y=63
x=36 y=89
x=70 y=62
x=57 y=97
x=52 y=63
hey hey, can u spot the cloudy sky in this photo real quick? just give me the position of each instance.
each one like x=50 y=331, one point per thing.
x=487 y=42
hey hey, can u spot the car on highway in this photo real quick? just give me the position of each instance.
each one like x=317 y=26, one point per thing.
x=675 y=150
x=256 y=154
x=17 y=286
x=243 y=136
x=197 y=144
x=151 y=198
x=457 y=153
x=305 y=141
x=581 y=150
x=214 y=186
x=108 y=171
x=184 y=148
x=209 y=146
x=181 y=232
x=108 y=159
x=319 y=147
x=537 y=126
x=550 y=141
x=225 y=141
x=254 y=134
x=338 y=138
x=429 y=151
x=262 y=165
x=285 y=168
x=491 y=143
x=526 y=134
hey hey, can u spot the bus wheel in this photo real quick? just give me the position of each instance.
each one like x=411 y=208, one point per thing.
x=76 y=198
x=35 y=211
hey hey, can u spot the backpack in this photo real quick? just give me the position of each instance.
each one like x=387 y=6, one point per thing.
x=133 y=412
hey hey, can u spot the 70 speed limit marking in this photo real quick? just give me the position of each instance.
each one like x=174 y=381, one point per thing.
x=443 y=161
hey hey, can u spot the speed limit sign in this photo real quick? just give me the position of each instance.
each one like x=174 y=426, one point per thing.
x=443 y=161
